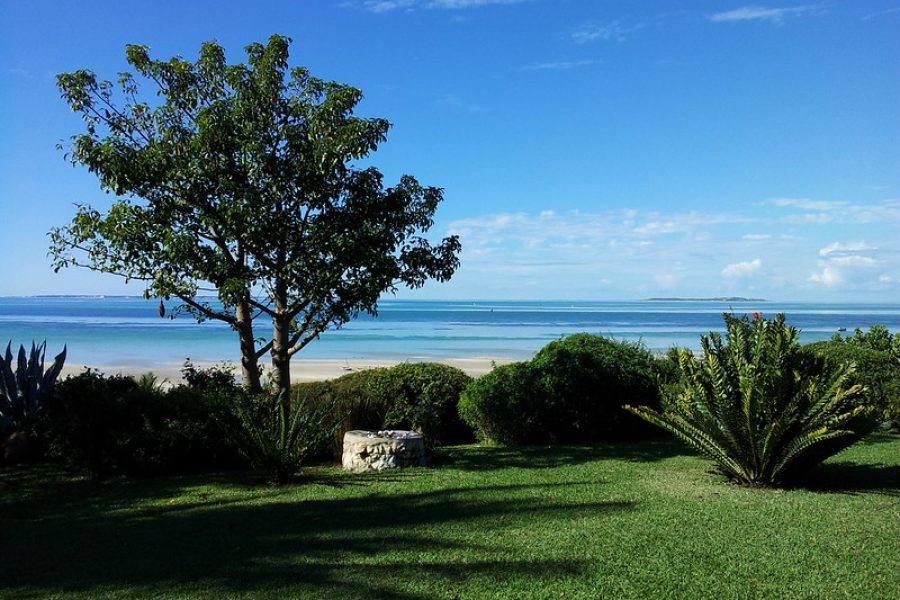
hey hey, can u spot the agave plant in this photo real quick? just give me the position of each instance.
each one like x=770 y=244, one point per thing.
x=759 y=406
x=24 y=384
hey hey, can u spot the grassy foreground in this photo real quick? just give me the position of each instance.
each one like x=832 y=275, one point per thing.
x=643 y=520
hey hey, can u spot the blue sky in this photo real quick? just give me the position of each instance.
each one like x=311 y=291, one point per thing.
x=588 y=150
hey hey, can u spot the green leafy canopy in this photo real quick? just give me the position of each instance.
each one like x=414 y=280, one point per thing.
x=245 y=181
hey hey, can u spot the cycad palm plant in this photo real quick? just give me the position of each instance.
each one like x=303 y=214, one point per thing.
x=760 y=406
x=277 y=433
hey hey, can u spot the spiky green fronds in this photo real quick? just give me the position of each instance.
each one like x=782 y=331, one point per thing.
x=759 y=406
x=24 y=383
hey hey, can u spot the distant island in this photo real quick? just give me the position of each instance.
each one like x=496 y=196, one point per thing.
x=717 y=299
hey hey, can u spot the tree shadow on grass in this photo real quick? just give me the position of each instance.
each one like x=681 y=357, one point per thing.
x=490 y=458
x=851 y=477
x=854 y=478
x=367 y=545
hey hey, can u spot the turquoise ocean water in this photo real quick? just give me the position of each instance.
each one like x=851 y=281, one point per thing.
x=127 y=330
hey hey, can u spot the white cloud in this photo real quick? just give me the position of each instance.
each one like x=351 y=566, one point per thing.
x=592 y=32
x=853 y=261
x=875 y=15
x=457 y=4
x=684 y=222
x=843 y=264
x=666 y=281
x=759 y=13
x=839 y=248
x=829 y=277
x=561 y=65
x=692 y=253
x=831 y=211
x=807 y=204
x=382 y=6
x=741 y=269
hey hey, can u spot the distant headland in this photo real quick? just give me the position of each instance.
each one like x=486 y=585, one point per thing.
x=716 y=299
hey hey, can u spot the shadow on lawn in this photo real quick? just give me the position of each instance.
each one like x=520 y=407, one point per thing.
x=373 y=545
x=850 y=477
x=489 y=458
x=854 y=478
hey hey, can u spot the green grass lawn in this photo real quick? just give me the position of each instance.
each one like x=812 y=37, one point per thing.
x=644 y=520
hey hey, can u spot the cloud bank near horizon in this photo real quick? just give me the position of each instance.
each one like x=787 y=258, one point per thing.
x=800 y=248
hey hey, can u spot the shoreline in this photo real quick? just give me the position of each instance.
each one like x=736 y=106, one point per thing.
x=301 y=369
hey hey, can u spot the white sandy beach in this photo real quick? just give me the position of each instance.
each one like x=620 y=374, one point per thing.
x=301 y=369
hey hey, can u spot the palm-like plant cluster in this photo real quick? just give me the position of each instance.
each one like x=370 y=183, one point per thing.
x=277 y=433
x=760 y=406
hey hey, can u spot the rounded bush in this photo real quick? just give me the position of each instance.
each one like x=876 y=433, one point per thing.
x=877 y=370
x=504 y=406
x=423 y=397
x=418 y=396
x=572 y=391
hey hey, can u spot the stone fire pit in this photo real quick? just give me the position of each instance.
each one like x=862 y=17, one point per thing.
x=380 y=450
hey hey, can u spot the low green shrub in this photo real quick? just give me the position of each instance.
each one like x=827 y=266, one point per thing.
x=422 y=397
x=761 y=406
x=353 y=406
x=114 y=425
x=877 y=337
x=418 y=396
x=505 y=406
x=878 y=370
x=572 y=391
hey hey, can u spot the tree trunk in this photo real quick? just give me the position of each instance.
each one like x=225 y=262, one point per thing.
x=281 y=360
x=249 y=362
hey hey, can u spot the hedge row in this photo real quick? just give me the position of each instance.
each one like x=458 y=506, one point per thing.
x=572 y=391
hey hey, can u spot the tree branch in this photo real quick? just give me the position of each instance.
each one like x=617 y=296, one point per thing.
x=297 y=347
x=262 y=351
x=212 y=314
x=262 y=307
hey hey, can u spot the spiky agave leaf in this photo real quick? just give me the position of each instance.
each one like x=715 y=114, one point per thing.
x=24 y=384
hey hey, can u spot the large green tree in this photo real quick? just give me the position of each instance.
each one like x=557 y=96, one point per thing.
x=245 y=181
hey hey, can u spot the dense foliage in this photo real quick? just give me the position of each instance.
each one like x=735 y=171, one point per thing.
x=878 y=337
x=505 y=406
x=245 y=180
x=416 y=396
x=422 y=397
x=760 y=406
x=876 y=356
x=573 y=390
x=116 y=425
x=276 y=434
x=351 y=402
